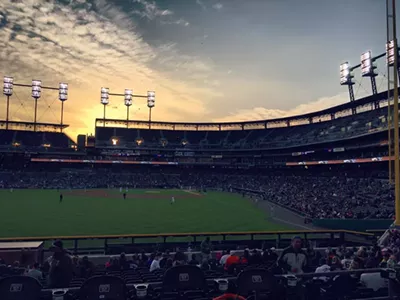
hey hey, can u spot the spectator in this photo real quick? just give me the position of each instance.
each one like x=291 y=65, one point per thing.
x=169 y=263
x=346 y=261
x=179 y=258
x=35 y=272
x=123 y=262
x=244 y=260
x=194 y=261
x=323 y=268
x=155 y=264
x=293 y=259
x=205 y=266
x=269 y=255
x=232 y=261
x=61 y=270
x=224 y=257
x=255 y=258
x=206 y=249
x=164 y=259
x=86 y=267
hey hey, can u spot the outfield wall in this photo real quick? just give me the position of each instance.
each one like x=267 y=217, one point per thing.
x=353 y=224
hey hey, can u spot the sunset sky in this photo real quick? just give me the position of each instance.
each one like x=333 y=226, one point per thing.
x=207 y=60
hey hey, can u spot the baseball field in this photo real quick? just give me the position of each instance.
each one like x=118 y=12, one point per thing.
x=39 y=213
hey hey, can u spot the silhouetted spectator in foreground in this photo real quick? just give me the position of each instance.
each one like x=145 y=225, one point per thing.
x=61 y=271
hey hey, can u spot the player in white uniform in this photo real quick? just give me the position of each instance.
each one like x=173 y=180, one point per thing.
x=172 y=200
x=120 y=189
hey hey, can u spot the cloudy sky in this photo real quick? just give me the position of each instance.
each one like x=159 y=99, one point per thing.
x=207 y=60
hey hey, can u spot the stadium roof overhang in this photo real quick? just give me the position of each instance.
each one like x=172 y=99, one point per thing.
x=29 y=126
x=300 y=119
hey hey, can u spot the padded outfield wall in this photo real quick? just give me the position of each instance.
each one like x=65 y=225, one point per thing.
x=353 y=224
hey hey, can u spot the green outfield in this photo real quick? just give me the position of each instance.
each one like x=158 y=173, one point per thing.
x=36 y=213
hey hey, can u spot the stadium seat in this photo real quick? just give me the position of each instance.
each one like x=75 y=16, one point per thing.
x=341 y=287
x=186 y=278
x=259 y=283
x=103 y=287
x=20 y=288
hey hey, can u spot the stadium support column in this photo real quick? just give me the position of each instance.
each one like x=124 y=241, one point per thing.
x=104 y=100
x=36 y=93
x=62 y=115
x=151 y=101
x=8 y=85
x=389 y=63
x=368 y=70
x=149 y=117
x=396 y=118
x=8 y=111
x=127 y=116
x=104 y=116
x=62 y=96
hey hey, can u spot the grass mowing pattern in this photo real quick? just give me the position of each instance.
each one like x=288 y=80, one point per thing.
x=38 y=213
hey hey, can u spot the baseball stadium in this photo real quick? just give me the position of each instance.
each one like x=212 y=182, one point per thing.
x=305 y=206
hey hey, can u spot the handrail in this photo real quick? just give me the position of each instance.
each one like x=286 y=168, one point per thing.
x=194 y=234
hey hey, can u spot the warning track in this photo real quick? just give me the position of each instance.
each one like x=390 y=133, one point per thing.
x=114 y=195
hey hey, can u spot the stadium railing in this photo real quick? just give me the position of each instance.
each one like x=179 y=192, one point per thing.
x=277 y=238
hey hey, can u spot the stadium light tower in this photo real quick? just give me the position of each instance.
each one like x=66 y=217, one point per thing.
x=346 y=78
x=105 y=95
x=151 y=101
x=8 y=86
x=62 y=96
x=36 y=93
x=368 y=70
x=128 y=102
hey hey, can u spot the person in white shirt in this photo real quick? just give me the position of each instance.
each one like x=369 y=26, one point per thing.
x=224 y=257
x=324 y=268
x=155 y=264
x=172 y=200
x=346 y=262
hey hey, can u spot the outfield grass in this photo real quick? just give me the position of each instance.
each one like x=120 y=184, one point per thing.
x=36 y=213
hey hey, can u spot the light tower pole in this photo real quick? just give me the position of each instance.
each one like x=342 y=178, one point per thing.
x=62 y=96
x=151 y=101
x=128 y=102
x=8 y=91
x=36 y=93
x=368 y=70
x=105 y=95
x=346 y=78
x=396 y=117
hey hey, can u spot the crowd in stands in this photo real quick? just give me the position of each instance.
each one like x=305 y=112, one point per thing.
x=62 y=269
x=315 y=197
x=279 y=136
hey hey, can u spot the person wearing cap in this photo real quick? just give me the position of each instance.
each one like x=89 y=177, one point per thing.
x=61 y=268
x=293 y=259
